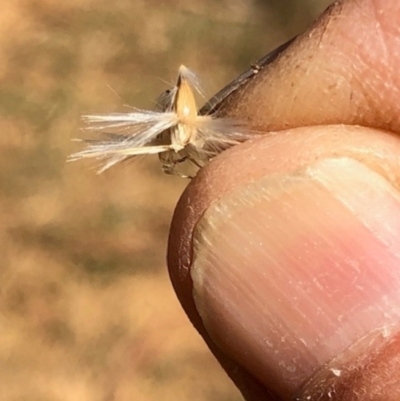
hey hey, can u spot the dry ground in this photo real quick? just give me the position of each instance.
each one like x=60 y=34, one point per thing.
x=86 y=309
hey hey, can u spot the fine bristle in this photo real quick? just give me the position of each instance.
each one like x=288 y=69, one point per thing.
x=191 y=78
x=133 y=133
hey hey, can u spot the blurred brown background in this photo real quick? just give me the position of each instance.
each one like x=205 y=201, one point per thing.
x=87 y=311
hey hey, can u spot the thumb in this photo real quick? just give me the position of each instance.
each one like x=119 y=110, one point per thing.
x=295 y=264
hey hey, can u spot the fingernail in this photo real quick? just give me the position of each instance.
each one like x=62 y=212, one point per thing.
x=291 y=270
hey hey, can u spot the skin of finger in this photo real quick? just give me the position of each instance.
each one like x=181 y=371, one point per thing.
x=285 y=152
x=343 y=70
x=329 y=75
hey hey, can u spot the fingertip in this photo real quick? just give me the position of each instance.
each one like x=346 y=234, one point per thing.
x=251 y=162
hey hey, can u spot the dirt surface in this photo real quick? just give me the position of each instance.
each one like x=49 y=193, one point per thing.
x=87 y=311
